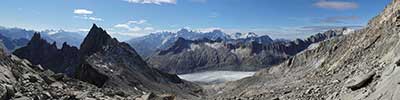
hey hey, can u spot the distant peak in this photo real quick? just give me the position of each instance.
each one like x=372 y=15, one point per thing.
x=183 y=30
x=36 y=36
x=217 y=31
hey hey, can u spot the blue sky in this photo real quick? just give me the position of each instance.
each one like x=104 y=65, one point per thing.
x=278 y=18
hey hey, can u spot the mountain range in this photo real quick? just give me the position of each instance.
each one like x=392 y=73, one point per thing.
x=241 y=54
x=150 y=44
x=14 y=38
x=106 y=63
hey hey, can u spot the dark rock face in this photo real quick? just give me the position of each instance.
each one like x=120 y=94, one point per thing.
x=248 y=54
x=108 y=63
x=39 y=51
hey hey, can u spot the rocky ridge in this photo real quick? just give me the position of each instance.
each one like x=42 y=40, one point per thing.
x=22 y=80
x=245 y=54
x=359 y=66
x=39 y=51
x=107 y=64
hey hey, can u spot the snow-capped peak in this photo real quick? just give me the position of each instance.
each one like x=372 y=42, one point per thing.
x=243 y=35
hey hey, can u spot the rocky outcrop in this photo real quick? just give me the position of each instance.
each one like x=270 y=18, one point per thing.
x=357 y=66
x=108 y=63
x=39 y=51
x=22 y=80
x=245 y=54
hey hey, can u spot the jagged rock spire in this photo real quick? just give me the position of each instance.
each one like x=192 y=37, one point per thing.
x=94 y=41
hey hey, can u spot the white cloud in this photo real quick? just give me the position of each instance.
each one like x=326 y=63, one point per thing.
x=95 y=18
x=135 y=29
x=148 y=28
x=89 y=18
x=86 y=14
x=127 y=27
x=158 y=2
x=338 y=5
x=83 y=12
x=137 y=22
x=122 y=26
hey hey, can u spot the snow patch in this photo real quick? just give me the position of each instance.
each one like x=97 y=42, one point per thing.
x=348 y=31
x=214 y=45
x=193 y=47
x=313 y=46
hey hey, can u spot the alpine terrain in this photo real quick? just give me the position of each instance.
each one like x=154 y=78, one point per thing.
x=358 y=66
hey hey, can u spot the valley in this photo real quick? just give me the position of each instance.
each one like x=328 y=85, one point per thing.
x=340 y=57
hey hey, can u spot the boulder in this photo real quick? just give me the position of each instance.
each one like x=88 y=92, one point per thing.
x=359 y=81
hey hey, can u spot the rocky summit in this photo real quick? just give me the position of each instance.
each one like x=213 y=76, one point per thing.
x=359 y=66
x=22 y=80
x=243 y=54
x=39 y=51
x=108 y=63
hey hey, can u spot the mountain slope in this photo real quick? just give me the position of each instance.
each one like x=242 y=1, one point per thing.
x=106 y=62
x=245 y=54
x=21 y=80
x=358 y=66
x=12 y=44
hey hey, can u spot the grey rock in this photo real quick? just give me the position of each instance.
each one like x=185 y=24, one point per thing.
x=82 y=95
x=359 y=81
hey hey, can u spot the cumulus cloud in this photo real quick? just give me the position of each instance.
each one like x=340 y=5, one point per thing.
x=338 y=5
x=158 y=2
x=83 y=12
x=86 y=14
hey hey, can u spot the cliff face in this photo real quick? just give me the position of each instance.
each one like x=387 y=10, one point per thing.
x=39 y=51
x=108 y=63
x=248 y=54
x=358 y=66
